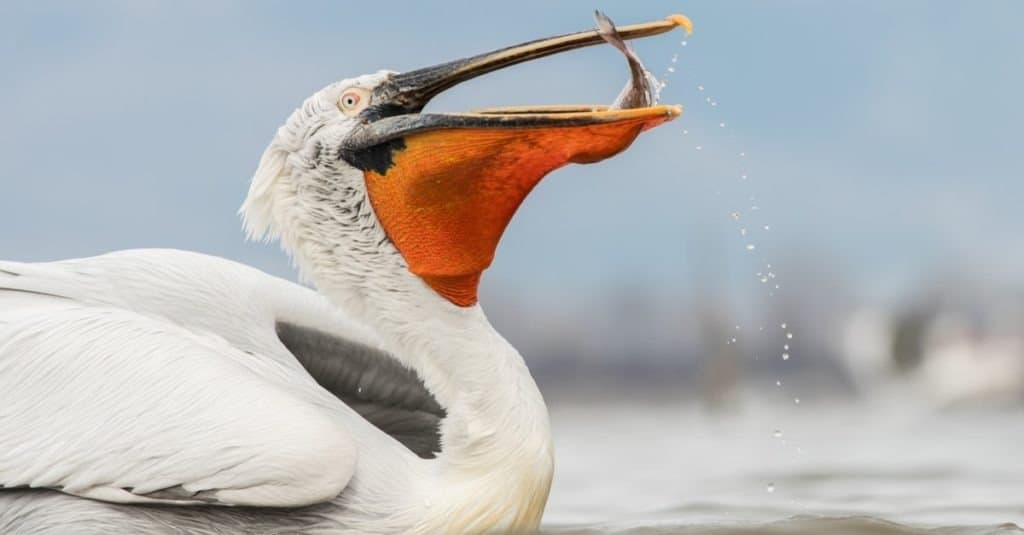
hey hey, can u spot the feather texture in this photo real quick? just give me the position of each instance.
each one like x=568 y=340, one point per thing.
x=119 y=404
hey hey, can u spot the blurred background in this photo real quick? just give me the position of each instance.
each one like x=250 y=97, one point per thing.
x=774 y=305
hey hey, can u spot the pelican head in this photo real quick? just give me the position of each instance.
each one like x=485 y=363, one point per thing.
x=368 y=193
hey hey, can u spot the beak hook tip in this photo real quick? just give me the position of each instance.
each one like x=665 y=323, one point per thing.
x=681 y=20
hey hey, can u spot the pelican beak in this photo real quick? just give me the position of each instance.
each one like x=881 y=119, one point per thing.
x=445 y=186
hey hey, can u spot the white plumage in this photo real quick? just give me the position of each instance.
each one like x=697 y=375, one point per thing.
x=149 y=391
x=147 y=376
x=153 y=385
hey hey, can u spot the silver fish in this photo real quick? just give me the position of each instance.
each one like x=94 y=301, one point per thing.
x=639 y=91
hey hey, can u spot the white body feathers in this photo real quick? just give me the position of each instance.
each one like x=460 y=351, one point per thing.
x=146 y=370
x=157 y=376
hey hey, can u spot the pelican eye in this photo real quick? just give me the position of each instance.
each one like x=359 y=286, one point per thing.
x=353 y=100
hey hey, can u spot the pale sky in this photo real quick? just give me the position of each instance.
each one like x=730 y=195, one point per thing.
x=881 y=138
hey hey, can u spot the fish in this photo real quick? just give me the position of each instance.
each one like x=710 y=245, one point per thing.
x=640 y=89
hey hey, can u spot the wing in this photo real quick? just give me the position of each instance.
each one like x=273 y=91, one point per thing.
x=374 y=384
x=185 y=364
x=296 y=327
x=122 y=406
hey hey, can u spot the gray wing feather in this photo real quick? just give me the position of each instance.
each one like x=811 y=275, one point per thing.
x=372 y=382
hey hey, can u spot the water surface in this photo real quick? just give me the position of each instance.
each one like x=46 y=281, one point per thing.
x=783 y=467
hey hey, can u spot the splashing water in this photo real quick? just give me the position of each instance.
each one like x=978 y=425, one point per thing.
x=661 y=84
x=749 y=222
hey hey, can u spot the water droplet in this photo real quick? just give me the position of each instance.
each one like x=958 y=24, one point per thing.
x=700 y=88
x=764 y=279
x=777 y=433
x=771 y=275
x=708 y=99
x=778 y=383
x=783 y=326
x=713 y=104
x=721 y=125
x=675 y=58
x=785 y=347
x=789 y=336
x=734 y=339
x=776 y=286
x=682 y=43
x=767 y=228
x=359 y=390
x=735 y=216
x=796 y=400
x=700 y=147
x=686 y=132
x=742 y=154
x=751 y=247
x=771 y=488
x=743 y=176
x=785 y=356
x=743 y=232
x=755 y=207
x=671 y=69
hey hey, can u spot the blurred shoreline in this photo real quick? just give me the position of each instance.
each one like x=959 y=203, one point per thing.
x=948 y=341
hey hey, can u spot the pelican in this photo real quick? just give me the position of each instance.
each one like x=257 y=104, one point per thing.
x=167 y=391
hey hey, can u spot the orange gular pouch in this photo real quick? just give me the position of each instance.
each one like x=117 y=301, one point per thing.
x=448 y=195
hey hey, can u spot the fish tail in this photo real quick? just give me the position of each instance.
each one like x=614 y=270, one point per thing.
x=606 y=29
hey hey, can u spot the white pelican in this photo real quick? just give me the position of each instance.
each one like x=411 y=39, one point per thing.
x=158 y=390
